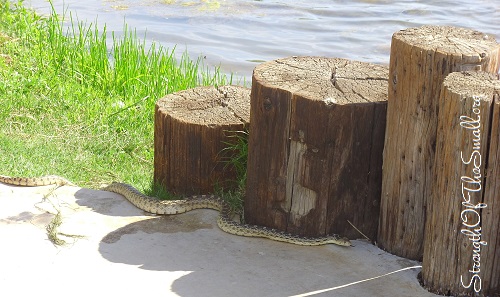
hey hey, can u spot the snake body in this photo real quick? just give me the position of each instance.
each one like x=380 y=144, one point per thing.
x=35 y=181
x=170 y=207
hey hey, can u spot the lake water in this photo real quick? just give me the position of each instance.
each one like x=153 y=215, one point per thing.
x=238 y=35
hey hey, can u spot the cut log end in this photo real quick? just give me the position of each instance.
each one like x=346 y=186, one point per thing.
x=226 y=105
x=474 y=50
x=331 y=80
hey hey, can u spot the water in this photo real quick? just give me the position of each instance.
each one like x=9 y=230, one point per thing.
x=238 y=35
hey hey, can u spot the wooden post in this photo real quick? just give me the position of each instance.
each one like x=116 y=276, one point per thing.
x=315 y=146
x=462 y=237
x=491 y=214
x=192 y=128
x=420 y=60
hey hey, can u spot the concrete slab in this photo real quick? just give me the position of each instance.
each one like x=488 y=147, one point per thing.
x=123 y=251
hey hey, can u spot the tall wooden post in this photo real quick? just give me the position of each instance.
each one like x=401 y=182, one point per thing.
x=420 y=60
x=491 y=215
x=315 y=146
x=462 y=235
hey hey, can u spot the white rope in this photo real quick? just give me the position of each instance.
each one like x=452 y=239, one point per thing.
x=350 y=284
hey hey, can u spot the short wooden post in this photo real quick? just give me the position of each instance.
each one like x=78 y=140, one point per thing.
x=315 y=146
x=420 y=60
x=462 y=237
x=192 y=128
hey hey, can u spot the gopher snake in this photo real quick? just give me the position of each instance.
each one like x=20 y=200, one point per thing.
x=156 y=206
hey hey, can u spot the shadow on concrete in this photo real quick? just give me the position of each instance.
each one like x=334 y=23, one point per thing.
x=107 y=203
x=128 y=252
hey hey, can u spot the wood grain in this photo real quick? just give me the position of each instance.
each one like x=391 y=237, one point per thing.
x=192 y=129
x=420 y=60
x=461 y=232
x=315 y=147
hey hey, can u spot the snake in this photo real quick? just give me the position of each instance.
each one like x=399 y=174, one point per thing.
x=171 y=207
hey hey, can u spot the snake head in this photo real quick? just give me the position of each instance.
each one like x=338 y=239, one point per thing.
x=342 y=241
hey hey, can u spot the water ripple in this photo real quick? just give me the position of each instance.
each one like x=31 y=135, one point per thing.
x=240 y=34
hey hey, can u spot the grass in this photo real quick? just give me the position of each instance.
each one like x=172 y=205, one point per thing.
x=238 y=160
x=52 y=230
x=79 y=102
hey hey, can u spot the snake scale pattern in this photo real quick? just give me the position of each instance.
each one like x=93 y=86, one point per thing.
x=169 y=207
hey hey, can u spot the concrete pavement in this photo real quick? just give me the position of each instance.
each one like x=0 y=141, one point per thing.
x=116 y=249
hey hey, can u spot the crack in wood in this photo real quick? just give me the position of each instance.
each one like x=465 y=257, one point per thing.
x=333 y=80
x=225 y=103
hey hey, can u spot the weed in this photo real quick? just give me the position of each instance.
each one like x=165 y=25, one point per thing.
x=78 y=101
x=238 y=148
